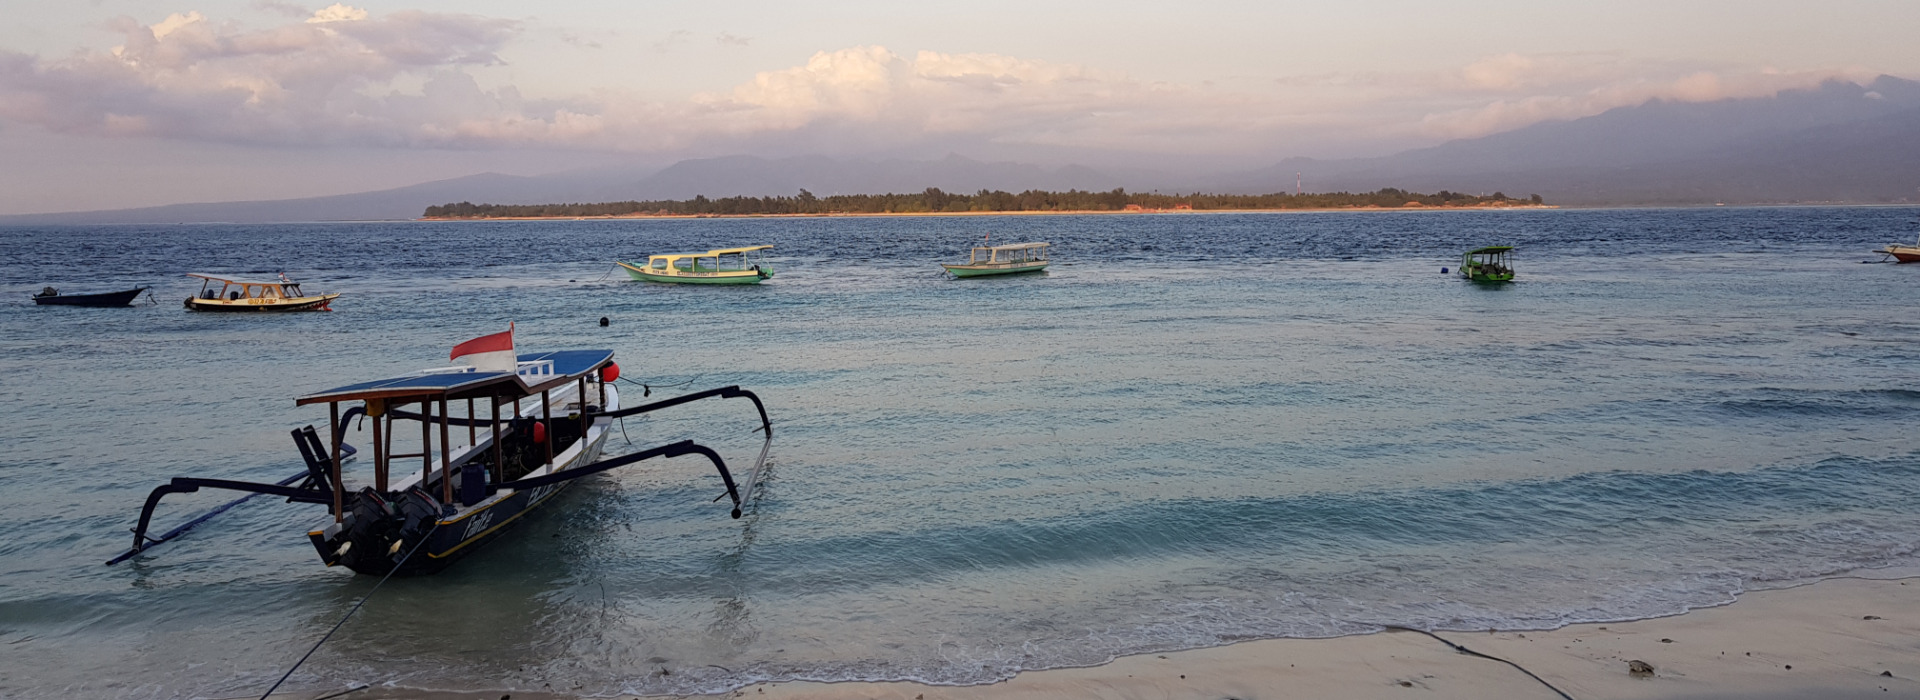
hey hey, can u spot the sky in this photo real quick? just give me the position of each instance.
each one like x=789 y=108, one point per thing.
x=121 y=103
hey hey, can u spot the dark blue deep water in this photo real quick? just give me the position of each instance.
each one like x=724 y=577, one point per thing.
x=1193 y=430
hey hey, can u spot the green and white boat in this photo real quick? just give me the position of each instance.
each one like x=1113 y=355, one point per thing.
x=1002 y=260
x=1493 y=263
x=724 y=266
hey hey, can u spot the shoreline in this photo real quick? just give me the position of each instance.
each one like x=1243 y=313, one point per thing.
x=1834 y=638
x=1071 y=212
x=1828 y=639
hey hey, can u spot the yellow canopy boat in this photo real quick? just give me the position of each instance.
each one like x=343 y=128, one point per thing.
x=252 y=295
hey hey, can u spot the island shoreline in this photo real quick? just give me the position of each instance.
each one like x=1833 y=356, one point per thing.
x=1073 y=212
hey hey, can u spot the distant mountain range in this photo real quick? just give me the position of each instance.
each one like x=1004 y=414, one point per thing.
x=1839 y=142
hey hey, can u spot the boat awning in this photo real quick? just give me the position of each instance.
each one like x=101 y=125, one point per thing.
x=568 y=365
x=1490 y=249
x=710 y=253
x=233 y=280
x=1014 y=246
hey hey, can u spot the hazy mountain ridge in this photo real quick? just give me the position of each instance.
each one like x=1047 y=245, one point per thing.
x=1838 y=142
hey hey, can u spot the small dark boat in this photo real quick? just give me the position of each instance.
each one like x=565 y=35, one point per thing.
x=53 y=297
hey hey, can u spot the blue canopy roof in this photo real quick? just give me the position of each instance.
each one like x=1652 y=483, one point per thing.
x=567 y=365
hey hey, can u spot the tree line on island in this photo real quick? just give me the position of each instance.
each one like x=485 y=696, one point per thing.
x=933 y=200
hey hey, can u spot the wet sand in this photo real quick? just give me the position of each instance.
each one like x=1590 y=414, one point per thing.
x=1841 y=638
x=1815 y=641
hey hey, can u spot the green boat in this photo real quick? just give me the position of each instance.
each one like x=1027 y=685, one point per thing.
x=723 y=266
x=1002 y=260
x=1493 y=263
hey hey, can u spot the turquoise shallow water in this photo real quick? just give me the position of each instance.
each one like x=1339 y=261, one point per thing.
x=1193 y=430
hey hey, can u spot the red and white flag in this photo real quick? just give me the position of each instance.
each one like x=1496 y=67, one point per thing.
x=489 y=353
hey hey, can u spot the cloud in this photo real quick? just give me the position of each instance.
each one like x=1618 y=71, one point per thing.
x=313 y=82
x=337 y=13
x=345 y=76
x=727 y=39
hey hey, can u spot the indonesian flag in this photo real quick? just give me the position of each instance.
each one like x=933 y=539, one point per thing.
x=489 y=353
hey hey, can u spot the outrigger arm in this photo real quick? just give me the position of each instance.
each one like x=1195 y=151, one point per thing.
x=683 y=447
x=725 y=392
x=189 y=484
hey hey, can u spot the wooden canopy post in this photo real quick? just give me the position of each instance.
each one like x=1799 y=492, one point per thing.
x=499 y=461
x=379 y=454
x=389 y=441
x=426 y=443
x=446 y=455
x=546 y=419
x=333 y=431
x=583 y=407
x=472 y=436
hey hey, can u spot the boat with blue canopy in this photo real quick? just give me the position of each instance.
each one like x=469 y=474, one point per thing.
x=460 y=454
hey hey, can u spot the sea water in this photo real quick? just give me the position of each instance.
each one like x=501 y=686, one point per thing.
x=1191 y=430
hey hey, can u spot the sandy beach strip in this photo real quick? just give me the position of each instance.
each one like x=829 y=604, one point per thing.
x=1841 y=639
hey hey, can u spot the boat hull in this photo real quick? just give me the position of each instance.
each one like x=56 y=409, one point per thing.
x=719 y=277
x=466 y=532
x=103 y=299
x=319 y=303
x=989 y=270
x=1902 y=253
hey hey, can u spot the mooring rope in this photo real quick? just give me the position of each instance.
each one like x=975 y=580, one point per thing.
x=1470 y=652
x=356 y=608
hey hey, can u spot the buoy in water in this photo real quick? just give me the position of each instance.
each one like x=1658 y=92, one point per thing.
x=1442 y=271
x=604 y=322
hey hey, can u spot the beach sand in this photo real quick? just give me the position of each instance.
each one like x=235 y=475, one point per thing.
x=1840 y=639
x=1814 y=641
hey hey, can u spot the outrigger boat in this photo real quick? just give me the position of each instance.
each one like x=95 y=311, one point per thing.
x=453 y=499
x=253 y=295
x=53 y=297
x=1489 y=264
x=1901 y=253
x=723 y=266
x=1002 y=260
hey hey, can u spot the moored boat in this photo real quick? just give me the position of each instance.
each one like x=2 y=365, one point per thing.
x=420 y=510
x=53 y=297
x=1488 y=264
x=254 y=295
x=745 y=265
x=1901 y=253
x=1002 y=260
